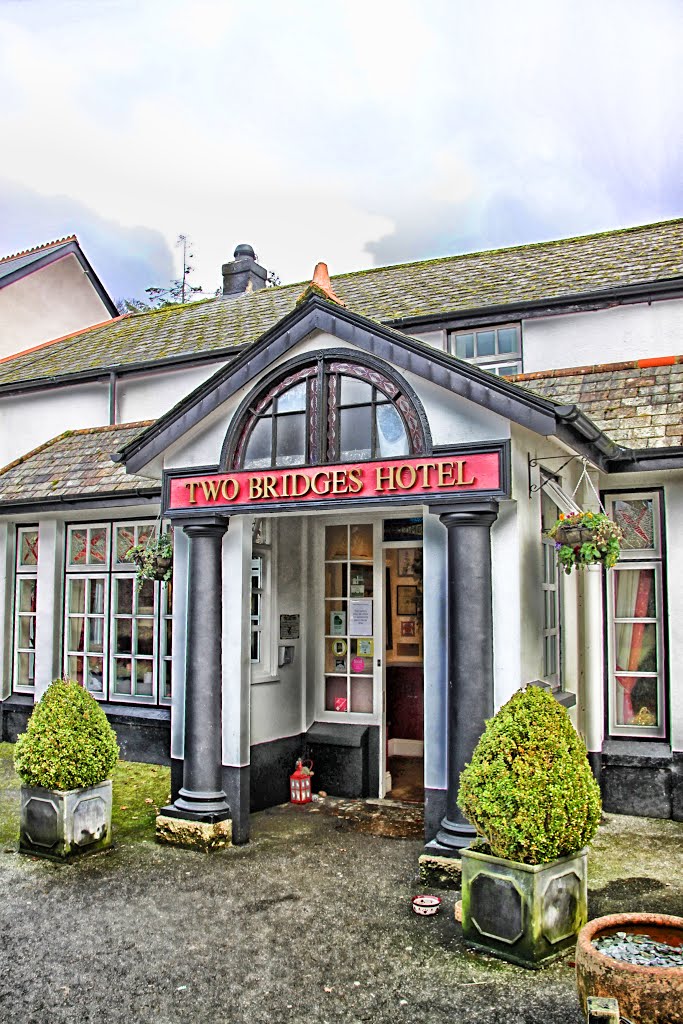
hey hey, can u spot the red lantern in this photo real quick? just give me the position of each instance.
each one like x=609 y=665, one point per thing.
x=300 y=783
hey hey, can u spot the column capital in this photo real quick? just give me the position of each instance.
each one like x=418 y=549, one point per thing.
x=470 y=513
x=203 y=526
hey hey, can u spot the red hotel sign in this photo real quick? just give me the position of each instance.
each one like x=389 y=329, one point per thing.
x=390 y=479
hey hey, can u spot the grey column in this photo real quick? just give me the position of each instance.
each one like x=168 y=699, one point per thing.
x=202 y=797
x=470 y=652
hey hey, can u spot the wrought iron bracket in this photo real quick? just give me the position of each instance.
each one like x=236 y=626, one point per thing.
x=538 y=459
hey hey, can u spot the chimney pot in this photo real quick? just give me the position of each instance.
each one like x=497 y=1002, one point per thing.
x=243 y=249
x=243 y=274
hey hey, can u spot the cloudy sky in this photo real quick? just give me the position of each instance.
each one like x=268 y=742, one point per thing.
x=359 y=132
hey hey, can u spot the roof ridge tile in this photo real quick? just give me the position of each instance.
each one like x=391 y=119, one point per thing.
x=38 y=248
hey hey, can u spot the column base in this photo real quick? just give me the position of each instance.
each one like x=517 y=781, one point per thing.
x=211 y=806
x=438 y=871
x=451 y=838
x=192 y=834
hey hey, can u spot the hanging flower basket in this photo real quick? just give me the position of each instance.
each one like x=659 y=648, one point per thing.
x=153 y=559
x=586 y=538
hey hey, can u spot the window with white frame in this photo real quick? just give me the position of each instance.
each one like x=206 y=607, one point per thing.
x=117 y=636
x=25 y=596
x=262 y=598
x=635 y=619
x=551 y=586
x=498 y=349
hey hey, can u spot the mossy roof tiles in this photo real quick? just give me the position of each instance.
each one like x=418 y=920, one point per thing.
x=75 y=464
x=448 y=286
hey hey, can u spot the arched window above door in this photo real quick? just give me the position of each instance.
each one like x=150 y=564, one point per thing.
x=326 y=409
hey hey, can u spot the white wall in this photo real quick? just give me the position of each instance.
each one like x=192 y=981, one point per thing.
x=615 y=335
x=47 y=304
x=147 y=395
x=34 y=417
x=31 y=419
x=276 y=705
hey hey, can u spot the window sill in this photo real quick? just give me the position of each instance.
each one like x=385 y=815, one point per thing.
x=564 y=697
x=258 y=680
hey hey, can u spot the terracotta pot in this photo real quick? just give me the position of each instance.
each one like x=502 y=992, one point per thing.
x=646 y=995
x=573 y=535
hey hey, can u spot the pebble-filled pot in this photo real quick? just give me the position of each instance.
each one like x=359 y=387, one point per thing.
x=637 y=959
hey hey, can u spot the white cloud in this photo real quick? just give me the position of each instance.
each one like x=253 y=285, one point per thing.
x=345 y=131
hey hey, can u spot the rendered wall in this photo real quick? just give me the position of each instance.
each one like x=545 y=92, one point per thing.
x=614 y=335
x=31 y=419
x=147 y=396
x=46 y=304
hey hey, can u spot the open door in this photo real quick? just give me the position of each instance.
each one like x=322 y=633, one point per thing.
x=404 y=672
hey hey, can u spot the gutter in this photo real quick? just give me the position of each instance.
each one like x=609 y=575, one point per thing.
x=616 y=295
x=119 y=370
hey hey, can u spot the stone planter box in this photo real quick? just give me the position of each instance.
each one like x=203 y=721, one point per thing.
x=60 y=824
x=526 y=913
x=646 y=995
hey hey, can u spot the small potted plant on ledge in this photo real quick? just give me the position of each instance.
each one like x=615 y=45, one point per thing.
x=153 y=558
x=586 y=538
x=64 y=759
x=530 y=794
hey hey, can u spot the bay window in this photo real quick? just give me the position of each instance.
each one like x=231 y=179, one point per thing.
x=117 y=634
x=25 y=596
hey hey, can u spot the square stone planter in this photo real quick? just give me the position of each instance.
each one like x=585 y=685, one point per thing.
x=61 y=824
x=526 y=913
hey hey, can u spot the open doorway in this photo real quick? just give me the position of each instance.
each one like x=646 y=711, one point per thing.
x=404 y=676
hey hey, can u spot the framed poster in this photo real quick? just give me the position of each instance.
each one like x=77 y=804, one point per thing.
x=360 y=616
x=365 y=648
x=405 y=559
x=406 y=600
x=338 y=623
x=289 y=627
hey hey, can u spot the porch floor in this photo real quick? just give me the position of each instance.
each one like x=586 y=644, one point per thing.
x=407 y=779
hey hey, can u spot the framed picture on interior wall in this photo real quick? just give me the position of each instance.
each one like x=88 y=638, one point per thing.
x=406 y=600
x=405 y=562
x=408 y=628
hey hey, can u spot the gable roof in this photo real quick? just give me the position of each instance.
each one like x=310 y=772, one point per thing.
x=639 y=404
x=74 y=467
x=648 y=258
x=18 y=265
x=399 y=350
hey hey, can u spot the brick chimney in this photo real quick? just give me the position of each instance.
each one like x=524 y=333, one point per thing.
x=243 y=274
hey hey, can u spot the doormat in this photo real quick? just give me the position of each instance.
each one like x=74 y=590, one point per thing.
x=384 y=818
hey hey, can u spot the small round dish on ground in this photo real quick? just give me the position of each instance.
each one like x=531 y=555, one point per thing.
x=426 y=906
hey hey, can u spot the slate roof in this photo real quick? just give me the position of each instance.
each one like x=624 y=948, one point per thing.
x=73 y=465
x=638 y=404
x=448 y=286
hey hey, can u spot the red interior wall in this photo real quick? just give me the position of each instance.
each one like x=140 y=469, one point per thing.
x=405 y=708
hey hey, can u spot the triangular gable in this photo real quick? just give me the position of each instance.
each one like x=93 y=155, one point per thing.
x=399 y=350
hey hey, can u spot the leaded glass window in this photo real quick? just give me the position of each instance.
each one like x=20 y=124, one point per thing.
x=330 y=411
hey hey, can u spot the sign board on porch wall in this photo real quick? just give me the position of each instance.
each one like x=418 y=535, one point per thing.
x=462 y=473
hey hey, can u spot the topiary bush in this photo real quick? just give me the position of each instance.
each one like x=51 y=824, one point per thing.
x=68 y=743
x=529 y=790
